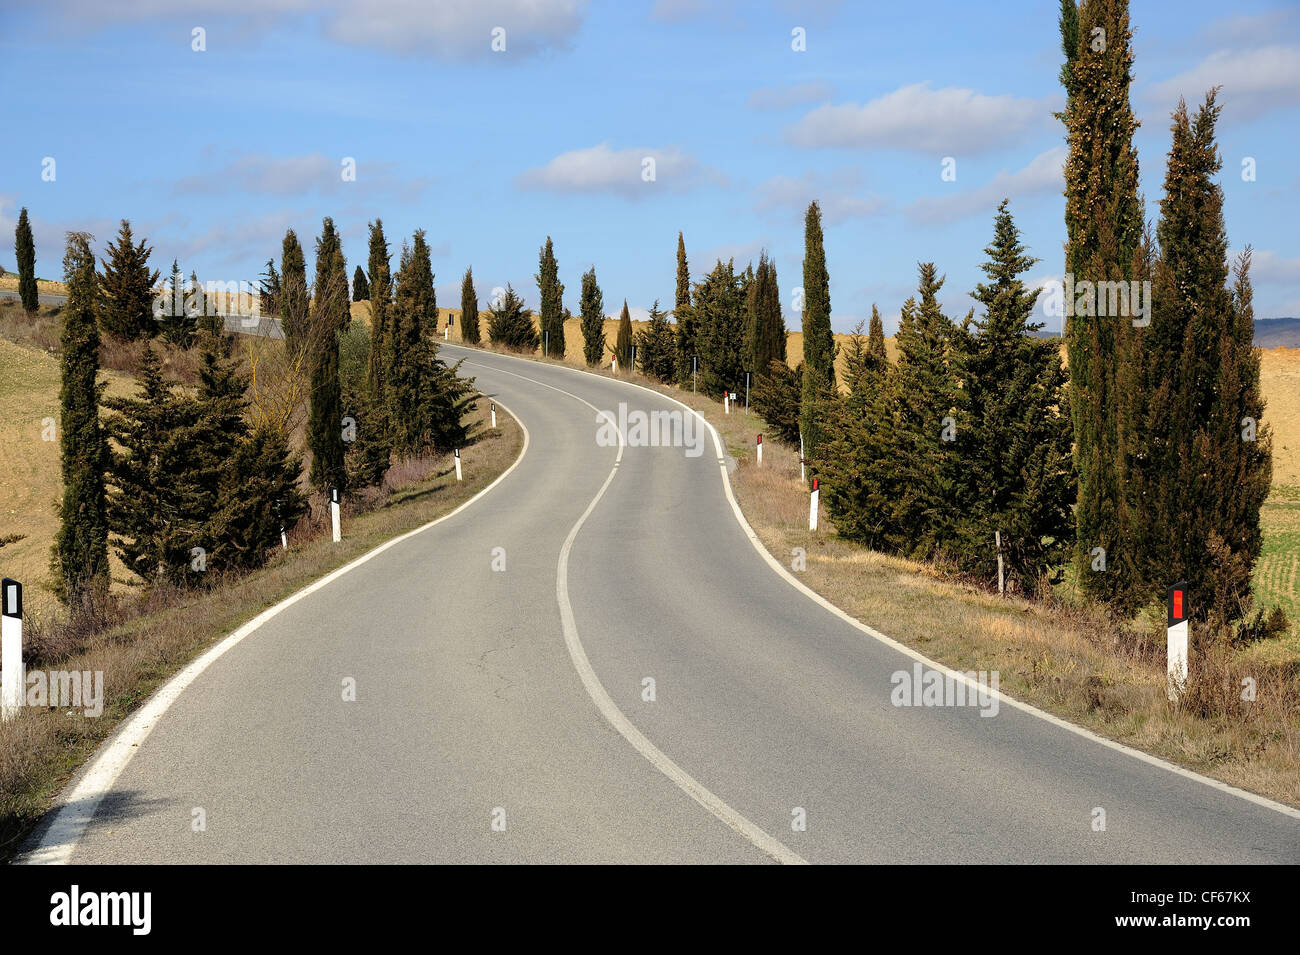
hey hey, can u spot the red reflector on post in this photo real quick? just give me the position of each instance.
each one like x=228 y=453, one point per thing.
x=1178 y=605
x=814 y=484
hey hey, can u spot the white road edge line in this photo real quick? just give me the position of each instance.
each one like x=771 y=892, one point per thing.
x=817 y=598
x=79 y=806
x=608 y=708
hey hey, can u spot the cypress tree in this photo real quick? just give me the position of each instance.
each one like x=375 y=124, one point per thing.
x=623 y=341
x=25 y=252
x=269 y=289
x=410 y=346
x=719 y=307
x=684 y=317
x=177 y=324
x=469 y=329
x=511 y=325
x=776 y=400
x=80 y=558
x=818 y=340
x=380 y=289
x=764 y=327
x=592 y=308
x=551 y=290
x=865 y=363
x=328 y=317
x=1206 y=461
x=1104 y=220
x=656 y=347
x=294 y=302
x=257 y=495
x=127 y=289
x=360 y=288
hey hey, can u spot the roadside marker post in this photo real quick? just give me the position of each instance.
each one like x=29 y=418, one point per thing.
x=334 y=514
x=760 y=450
x=458 y=464
x=1178 y=641
x=631 y=365
x=494 y=414
x=726 y=402
x=613 y=365
x=803 y=476
x=812 y=506
x=695 y=367
x=546 y=343
x=11 y=648
x=1002 y=582
x=747 y=392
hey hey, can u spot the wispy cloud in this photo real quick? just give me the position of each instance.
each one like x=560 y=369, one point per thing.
x=1254 y=81
x=839 y=194
x=784 y=97
x=1044 y=174
x=314 y=174
x=634 y=173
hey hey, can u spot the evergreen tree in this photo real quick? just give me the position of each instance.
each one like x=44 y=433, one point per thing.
x=360 y=288
x=380 y=294
x=80 y=558
x=328 y=317
x=656 y=347
x=685 y=318
x=592 y=308
x=764 y=327
x=257 y=495
x=1104 y=223
x=511 y=325
x=551 y=290
x=410 y=347
x=177 y=325
x=127 y=289
x=368 y=444
x=1206 y=461
x=294 y=299
x=25 y=252
x=818 y=340
x=206 y=314
x=469 y=328
x=718 y=304
x=776 y=400
x=623 y=341
x=268 y=290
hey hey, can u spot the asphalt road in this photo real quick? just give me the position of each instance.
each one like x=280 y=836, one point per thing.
x=472 y=697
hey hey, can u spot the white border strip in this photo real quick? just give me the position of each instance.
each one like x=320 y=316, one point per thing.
x=79 y=806
x=817 y=598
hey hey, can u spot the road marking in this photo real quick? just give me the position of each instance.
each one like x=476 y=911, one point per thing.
x=78 y=808
x=608 y=708
x=817 y=598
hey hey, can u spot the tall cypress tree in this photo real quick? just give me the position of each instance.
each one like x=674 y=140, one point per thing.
x=80 y=558
x=1206 y=461
x=1104 y=221
x=687 y=326
x=592 y=307
x=469 y=328
x=295 y=301
x=818 y=340
x=764 y=327
x=410 y=347
x=25 y=252
x=656 y=347
x=719 y=307
x=551 y=290
x=329 y=315
x=360 y=287
x=623 y=342
x=127 y=289
x=381 y=295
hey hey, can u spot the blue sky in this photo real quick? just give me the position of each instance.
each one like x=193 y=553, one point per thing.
x=213 y=154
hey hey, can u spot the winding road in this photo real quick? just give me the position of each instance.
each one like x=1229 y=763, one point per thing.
x=501 y=715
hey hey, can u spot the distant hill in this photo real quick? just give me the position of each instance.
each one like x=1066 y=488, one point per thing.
x=1277 y=332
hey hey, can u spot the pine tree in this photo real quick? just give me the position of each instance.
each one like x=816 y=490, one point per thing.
x=80 y=558
x=1020 y=479
x=1206 y=462
x=127 y=289
x=268 y=289
x=551 y=291
x=329 y=316
x=177 y=325
x=623 y=340
x=656 y=347
x=511 y=325
x=469 y=327
x=685 y=319
x=205 y=312
x=718 y=304
x=360 y=288
x=295 y=301
x=592 y=308
x=1104 y=224
x=764 y=327
x=257 y=496
x=776 y=400
x=818 y=340
x=25 y=252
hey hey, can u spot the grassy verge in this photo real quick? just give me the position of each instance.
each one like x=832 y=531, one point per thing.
x=1070 y=660
x=41 y=749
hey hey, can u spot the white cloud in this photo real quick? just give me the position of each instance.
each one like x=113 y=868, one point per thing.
x=838 y=194
x=783 y=97
x=1254 y=81
x=301 y=175
x=1044 y=174
x=600 y=169
x=947 y=121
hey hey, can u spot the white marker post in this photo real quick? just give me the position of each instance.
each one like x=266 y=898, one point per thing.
x=11 y=648
x=1002 y=581
x=494 y=414
x=1177 y=640
x=760 y=450
x=284 y=539
x=446 y=334
x=546 y=343
x=802 y=475
x=812 y=506
x=458 y=464
x=613 y=365
x=334 y=514
x=726 y=402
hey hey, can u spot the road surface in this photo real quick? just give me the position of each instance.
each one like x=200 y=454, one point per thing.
x=479 y=700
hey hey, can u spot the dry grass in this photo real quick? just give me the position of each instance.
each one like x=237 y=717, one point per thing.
x=41 y=749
